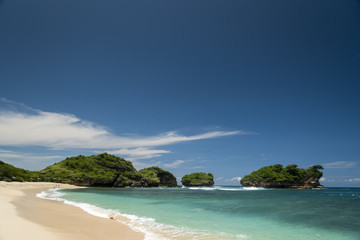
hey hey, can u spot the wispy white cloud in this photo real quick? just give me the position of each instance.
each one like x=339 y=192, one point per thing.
x=23 y=126
x=11 y=155
x=219 y=179
x=353 y=180
x=29 y=161
x=330 y=180
x=140 y=165
x=138 y=153
x=200 y=167
x=174 y=164
x=53 y=130
x=235 y=179
x=66 y=131
x=340 y=164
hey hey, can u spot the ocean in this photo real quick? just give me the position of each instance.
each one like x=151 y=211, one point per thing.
x=224 y=212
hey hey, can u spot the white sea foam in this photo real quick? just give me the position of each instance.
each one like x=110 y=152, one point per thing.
x=253 y=188
x=203 y=188
x=51 y=194
x=151 y=229
x=133 y=221
x=221 y=188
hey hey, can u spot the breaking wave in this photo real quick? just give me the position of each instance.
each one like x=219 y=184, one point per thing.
x=222 y=188
x=151 y=229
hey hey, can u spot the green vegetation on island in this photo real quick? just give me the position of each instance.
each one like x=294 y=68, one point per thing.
x=157 y=177
x=277 y=176
x=97 y=170
x=111 y=171
x=10 y=173
x=198 y=179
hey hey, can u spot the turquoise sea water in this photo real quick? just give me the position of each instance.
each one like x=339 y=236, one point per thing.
x=225 y=212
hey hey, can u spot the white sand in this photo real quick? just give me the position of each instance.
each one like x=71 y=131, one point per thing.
x=24 y=216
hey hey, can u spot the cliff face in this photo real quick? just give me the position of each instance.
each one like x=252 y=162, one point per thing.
x=277 y=176
x=198 y=179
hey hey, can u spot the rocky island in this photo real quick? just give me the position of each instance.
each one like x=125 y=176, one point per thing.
x=198 y=179
x=277 y=176
x=158 y=177
x=103 y=170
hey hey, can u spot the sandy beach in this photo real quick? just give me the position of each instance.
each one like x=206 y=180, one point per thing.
x=25 y=216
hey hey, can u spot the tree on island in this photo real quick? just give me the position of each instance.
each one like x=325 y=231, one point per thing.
x=198 y=179
x=291 y=176
x=103 y=170
x=157 y=177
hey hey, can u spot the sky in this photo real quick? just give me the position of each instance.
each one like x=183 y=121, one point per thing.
x=214 y=86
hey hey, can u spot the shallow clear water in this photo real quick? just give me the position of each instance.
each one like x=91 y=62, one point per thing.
x=227 y=212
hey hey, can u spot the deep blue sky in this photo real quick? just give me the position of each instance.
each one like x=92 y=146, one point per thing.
x=284 y=72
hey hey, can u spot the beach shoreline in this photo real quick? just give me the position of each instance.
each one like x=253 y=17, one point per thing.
x=26 y=216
